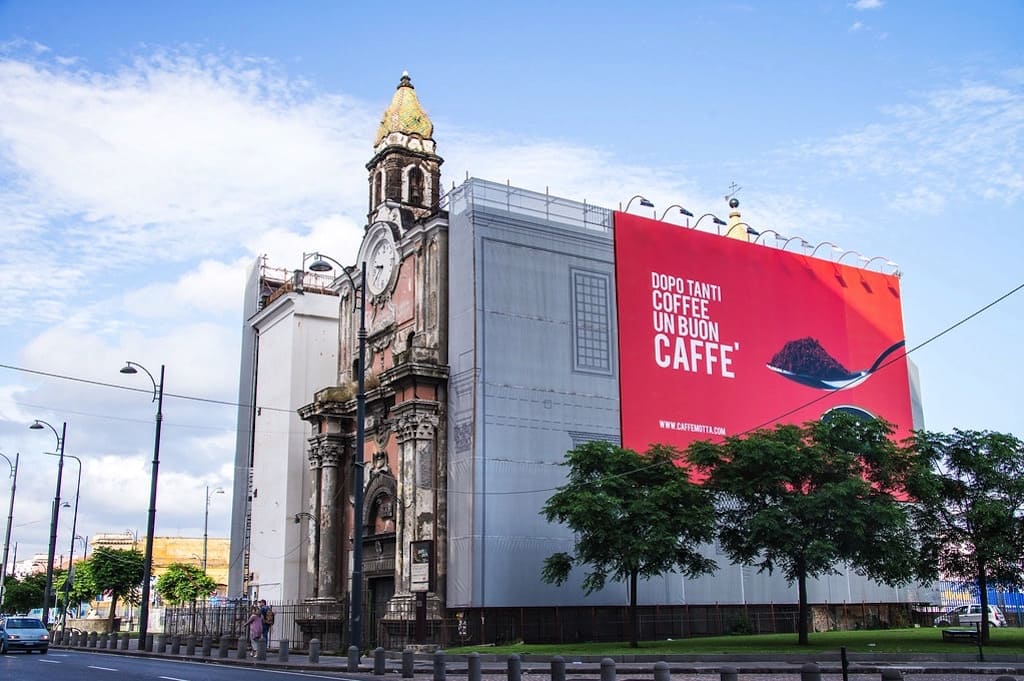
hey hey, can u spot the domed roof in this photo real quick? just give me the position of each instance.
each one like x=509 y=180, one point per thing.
x=405 y=115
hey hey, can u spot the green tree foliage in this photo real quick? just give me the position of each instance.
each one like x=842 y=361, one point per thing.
x=119 y=572
x=972 y=510
x=634 y=516
x=184 y=583
x=802 y=499
x=21 y=595
x=82 y=588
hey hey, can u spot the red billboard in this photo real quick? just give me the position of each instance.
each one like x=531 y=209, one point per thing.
x=719 y=336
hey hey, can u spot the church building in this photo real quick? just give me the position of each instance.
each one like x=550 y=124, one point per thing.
x=488 y=322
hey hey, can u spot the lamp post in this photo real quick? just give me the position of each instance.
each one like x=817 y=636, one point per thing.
x=316 y=547
x=48 y=589
x=71 y=552
x=714 y=218
x=682 y=211
x=206 y=520
x=643 y=202
x=320 y=264
x=10 y=517
x=147 y=564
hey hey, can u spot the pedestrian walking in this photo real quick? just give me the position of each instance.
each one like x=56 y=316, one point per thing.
x=267 y=615
x=255 y=626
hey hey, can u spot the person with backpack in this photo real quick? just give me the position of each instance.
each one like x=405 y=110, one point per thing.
x=267 y=615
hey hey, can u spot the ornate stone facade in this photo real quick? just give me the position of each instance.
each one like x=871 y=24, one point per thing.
x=406 y=376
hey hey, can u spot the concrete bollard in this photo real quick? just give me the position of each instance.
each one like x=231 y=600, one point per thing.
x=729 y=674
x=75 y=637
x=190 y=645
x=91 y=643
x=379 y=662
x=409 y=664
x=113 y=641
x=661 y=672
x=243 y=648
x=892 y=675
x=282 y=650
x=160 y=644
x=440 y=668
x=126 y=640
x=225 y=645
x=149 y=643
x=261 y=650
x=314 y=650
x=207 y=645
x=607 y=669
x=176 y=644
x=353 y=659
x=102 y=641
x=475 y=666
x=810 y=672
x=557 y=668
x=515 y=668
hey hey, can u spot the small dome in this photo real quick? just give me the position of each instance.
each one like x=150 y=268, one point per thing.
x=405 y=114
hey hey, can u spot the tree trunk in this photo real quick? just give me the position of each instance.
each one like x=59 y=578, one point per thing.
x=634 y=638
x=113 y=610
x=801 y=629
x=983 y=598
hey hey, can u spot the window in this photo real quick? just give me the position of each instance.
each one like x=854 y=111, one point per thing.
x=591 y=317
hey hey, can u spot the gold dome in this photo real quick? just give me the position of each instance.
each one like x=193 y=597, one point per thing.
x=405 y=115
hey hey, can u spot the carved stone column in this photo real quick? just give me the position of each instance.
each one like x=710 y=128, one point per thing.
x=331 y=499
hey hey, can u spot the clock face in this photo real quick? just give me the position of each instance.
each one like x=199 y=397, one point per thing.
x=381 y=265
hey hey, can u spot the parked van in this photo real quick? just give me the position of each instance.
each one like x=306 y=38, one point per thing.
x=970 y=615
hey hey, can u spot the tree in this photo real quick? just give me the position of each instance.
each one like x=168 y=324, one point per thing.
x=118 y=571
x=971 y=509
x=804 y=498
x=634 y=516
x=82 y=587
x=184 y=583
x=21 y=595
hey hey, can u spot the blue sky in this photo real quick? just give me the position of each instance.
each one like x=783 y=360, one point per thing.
x=149 y=152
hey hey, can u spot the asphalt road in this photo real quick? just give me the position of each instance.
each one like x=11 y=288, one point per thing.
x=70 y=665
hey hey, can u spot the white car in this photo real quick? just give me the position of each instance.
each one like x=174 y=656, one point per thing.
x=970 y=614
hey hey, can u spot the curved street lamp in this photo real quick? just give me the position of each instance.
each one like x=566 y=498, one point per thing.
x=682 y=211
x=751 y=232
x=48 y=589
x=320 y=264
x=643 y=202
x=10 y=518
x=778 y=237
x=71 y=552
x=803 y=242
x=147 y=565
x=858 y=254
x=714 y=218
x=206 y=520
x=825 y=243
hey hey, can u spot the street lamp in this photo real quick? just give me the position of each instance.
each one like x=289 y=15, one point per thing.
x=147 y=564
x=714 y=218
x=316 y=548
x=48 y=589
x=10 y=517
x=206 y=520
x=643 y=202
x=682 y=211
x=320 y=264
x=71 y=553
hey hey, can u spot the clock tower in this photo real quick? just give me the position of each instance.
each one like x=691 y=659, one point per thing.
x=405 y=248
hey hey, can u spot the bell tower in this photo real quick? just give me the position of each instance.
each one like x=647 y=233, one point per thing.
x=405 y=169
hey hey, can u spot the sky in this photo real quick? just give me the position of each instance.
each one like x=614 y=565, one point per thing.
x=151 y=152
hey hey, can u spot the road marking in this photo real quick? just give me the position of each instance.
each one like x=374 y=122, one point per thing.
x=102 y=669
x=51 y=661
x=171 y=678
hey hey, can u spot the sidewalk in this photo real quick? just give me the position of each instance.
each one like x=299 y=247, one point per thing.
x=687 y=667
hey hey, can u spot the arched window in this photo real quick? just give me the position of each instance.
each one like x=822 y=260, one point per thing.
x=416 y=186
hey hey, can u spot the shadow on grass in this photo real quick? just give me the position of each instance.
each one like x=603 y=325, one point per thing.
x=922 y=640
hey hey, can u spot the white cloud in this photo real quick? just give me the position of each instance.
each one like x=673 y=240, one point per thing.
x=861 y=5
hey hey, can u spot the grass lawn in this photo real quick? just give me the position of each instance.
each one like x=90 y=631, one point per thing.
x=923 y=640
